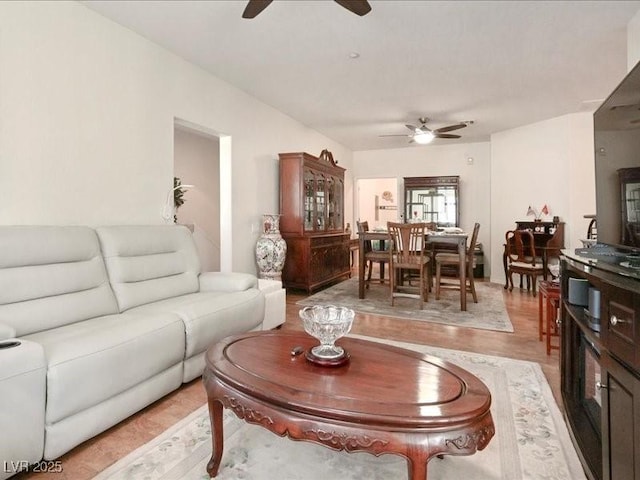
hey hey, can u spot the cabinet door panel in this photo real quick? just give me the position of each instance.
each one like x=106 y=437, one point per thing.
x=334 y=203
x=320 y=268
x=620 y=430
x=321 y=203
x=309 y=200
x=621 y=437
x=329 y=260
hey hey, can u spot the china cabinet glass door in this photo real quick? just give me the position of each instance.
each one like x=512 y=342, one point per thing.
x=321 y=207
x=309 y=196
x=323 y=202
x=334 y=204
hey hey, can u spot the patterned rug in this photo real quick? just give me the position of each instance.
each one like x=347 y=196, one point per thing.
x=531 y=441
x=489 y=313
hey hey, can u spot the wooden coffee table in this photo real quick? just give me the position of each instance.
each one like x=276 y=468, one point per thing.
x=385 y=400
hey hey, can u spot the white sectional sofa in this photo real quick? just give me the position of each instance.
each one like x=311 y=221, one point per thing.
x=109 y=319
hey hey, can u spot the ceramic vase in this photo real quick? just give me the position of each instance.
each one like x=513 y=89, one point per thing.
x=271 y=248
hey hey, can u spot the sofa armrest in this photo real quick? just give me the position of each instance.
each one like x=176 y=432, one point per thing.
x=227 y=282
x=6 y=332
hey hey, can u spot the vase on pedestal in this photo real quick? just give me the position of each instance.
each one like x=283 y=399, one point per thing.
x=271 y=248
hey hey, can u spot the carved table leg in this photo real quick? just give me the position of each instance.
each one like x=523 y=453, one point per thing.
x=417 y=467
x=217 y=435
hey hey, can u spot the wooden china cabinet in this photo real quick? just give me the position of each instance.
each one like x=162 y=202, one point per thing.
x=312 y=221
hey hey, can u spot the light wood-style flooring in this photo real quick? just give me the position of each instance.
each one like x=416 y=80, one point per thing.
x=93 y=456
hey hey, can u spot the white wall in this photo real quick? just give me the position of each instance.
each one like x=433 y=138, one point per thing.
x=438 y=160
x=549 y=162
x=87 y=111
x=197 y=163
x=633 y=41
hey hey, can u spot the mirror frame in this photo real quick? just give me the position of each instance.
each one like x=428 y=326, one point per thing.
x=430 y=183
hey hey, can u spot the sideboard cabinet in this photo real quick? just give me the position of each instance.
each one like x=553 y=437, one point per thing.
x=600 y=365
x=312 y=221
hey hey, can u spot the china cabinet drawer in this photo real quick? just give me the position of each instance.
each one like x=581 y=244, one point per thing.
x=328 y=241
x=621 y=330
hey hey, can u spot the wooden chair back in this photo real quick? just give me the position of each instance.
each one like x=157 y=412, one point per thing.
x=364 y=227
x=473 y=242
x=521 y=247
x=521 y=258
x=407 y=244
x=592 y=230
x=407 y=253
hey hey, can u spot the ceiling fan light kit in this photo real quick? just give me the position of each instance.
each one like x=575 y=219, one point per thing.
x=423 y=138
x=424 y=135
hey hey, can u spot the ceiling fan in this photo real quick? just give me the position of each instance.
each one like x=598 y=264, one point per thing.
x=424 y=134
x=359 y=7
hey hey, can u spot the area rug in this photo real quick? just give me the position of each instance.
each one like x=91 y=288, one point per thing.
x=489 y=313
x=531 y=441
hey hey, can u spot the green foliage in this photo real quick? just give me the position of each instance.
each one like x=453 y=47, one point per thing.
x=178 y=193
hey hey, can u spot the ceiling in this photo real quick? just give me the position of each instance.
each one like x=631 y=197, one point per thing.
x=502 y=64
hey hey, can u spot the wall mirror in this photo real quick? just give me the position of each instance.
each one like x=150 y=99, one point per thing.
x=432 y=199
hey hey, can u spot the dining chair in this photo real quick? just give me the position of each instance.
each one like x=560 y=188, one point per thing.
x=521 y=258
x=371 y=255
x=407 y=254
x=592 y=230
x=453 y=260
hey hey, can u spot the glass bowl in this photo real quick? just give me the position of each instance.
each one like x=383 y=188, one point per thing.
x=327 y=323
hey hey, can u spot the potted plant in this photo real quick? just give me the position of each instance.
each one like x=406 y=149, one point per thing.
x=178 y=196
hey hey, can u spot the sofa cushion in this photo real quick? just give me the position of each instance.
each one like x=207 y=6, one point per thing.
x=51 y=276
x=211 y=316
x=22 y=400
x=149 y=263
x=94 y=360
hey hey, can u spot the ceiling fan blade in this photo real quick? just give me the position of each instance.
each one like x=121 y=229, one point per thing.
x=450 y=128
x=446 y=135
x=412 y=128
x=403 y=135
x=359 y=7
x=254 y=7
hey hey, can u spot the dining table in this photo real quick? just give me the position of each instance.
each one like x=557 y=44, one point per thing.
x=458 y=238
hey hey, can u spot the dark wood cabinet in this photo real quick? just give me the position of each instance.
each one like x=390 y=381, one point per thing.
x=312 y=221
x=600 y=371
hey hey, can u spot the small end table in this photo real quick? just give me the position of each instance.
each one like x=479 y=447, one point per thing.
x=548 y=304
